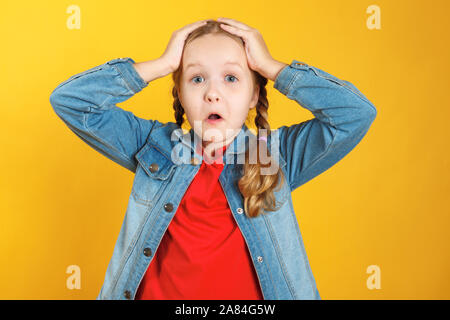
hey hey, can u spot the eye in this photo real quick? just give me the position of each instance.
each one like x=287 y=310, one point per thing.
x=227 y=76
x=233 y=77
x=195 y=78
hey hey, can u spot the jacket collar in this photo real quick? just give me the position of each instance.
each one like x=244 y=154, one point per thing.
x=191 y=140
x=237 y=146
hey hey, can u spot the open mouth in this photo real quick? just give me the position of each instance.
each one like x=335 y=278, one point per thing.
x=214 y=118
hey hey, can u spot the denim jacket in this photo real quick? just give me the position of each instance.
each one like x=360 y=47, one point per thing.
x=86 y=103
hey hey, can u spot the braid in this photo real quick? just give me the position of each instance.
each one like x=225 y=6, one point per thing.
x=261 y=108
x=257 y=189
x=179 y=111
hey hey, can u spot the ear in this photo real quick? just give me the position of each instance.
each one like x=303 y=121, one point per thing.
x=255 y=98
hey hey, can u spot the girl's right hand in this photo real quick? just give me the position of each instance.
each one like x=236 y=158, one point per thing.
x=172 y=54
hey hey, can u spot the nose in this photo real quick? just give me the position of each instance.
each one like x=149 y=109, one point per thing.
x=212 y=97
x=212 y=94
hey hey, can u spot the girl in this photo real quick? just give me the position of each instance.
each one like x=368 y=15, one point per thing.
x=210 y=216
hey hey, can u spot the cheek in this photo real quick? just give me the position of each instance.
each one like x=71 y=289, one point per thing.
x=240 y=114
x=192 y=114
x=188 y=102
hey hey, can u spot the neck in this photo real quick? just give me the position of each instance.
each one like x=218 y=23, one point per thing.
x=210 y=147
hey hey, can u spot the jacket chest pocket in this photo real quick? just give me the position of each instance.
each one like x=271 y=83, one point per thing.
x=153 y=174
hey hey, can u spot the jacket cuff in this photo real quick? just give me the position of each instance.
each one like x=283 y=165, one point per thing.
x=288 y=74
x=129 y=74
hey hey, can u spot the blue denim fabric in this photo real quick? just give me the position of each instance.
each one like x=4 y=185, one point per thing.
x=86 y=102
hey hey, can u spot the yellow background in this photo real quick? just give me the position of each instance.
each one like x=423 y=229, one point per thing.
x=385 y=204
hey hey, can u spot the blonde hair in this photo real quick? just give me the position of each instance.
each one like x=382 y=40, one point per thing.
x=256 y=189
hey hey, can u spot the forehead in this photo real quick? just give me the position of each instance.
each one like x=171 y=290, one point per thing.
x=213 y=51
x=200 y=64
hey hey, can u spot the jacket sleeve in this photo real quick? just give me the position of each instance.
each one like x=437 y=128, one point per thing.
x=342 y=113
x=86 y=103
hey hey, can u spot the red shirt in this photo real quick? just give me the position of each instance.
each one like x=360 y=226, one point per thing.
x=202 y=255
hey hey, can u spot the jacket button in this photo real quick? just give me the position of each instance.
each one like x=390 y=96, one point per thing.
x=240 y=210
x=153 y=167
x=147 y=252
x=168 y=207
x=127 y=294
x=260 y=259
x=300 y=64
x=194 y=161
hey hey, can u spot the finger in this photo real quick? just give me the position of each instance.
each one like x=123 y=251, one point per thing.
x=205 y=21
x=201 y=22
x=196 y=24
x=239 y=32
x=235 y=23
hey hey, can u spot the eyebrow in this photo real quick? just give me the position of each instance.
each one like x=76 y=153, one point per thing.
x=199 y=64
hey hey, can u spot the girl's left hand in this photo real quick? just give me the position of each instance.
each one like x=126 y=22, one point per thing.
x=258 y=56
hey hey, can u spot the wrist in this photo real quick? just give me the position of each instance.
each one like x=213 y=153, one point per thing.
x=272 y=69
x=166 y=66
x=152 y=69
